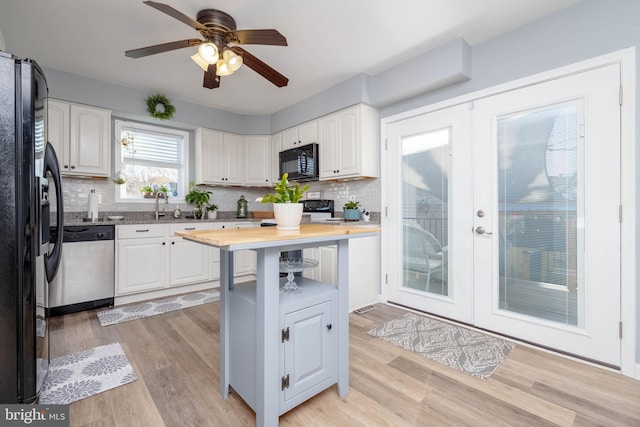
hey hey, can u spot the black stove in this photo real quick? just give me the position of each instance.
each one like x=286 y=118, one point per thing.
x=318 y=208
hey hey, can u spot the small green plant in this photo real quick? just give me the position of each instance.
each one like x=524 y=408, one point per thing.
x=284 y=193
x=197 y=196
x=146 y=189
x=212 y=207
x=351 y=204
x=164 y=189
x=119 y=178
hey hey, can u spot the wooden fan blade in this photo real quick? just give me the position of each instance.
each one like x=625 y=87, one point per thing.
x=260 y=67
x=159 y=48
x=165 y=8
x=211 y=80
x=268 y=37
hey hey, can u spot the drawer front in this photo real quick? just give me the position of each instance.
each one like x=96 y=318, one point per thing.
x=188 y=226
x=246 y=225
x=137 y=231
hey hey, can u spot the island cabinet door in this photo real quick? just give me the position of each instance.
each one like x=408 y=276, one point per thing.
x=308 y=353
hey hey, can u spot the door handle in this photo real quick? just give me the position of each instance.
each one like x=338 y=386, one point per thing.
x=480 y=230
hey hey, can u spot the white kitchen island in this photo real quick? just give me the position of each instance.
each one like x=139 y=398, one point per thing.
x=268 y=242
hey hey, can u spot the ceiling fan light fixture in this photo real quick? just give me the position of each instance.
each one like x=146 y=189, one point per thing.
x=222 y=69
x=198 y=60
x=233 y=61
x=208 y=52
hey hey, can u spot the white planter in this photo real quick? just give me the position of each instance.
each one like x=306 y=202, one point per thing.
x=288 y=216
x=212 y=214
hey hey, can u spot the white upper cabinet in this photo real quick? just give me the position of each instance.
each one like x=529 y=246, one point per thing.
x=276 y=144
x=327 y=146
x=257 y=160
x=301 y=135
x=349 y=144
x=219 y=158
x=58 y=131
x=81 y=136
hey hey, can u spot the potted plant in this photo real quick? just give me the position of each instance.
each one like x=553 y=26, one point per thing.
x=146 y=190
x=212 y=211
x=351 y=210
x=198 y=197
x=286 y=209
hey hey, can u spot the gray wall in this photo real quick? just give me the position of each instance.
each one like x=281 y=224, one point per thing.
x=129 y=103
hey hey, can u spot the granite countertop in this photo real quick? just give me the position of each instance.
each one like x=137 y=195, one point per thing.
x=145 y=217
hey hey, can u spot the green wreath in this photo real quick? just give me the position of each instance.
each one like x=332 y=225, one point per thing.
x=152 y=104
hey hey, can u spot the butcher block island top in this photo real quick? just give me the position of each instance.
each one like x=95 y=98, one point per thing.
x=261 y=237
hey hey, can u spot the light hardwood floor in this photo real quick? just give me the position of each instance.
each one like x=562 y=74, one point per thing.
x=175 y=356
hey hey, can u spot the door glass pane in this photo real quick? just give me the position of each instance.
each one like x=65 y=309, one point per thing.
x=540 y=211
x=426 y=165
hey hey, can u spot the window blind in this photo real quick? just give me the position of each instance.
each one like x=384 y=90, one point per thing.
x=154 y=146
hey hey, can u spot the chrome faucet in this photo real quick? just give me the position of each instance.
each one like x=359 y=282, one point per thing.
x=166 y=200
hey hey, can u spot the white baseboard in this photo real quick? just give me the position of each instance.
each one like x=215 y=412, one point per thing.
x=167 y=292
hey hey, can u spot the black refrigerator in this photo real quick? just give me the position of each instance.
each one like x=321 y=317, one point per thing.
x=28 y=262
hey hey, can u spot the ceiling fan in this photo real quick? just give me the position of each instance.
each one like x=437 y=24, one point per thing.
x=218 y=54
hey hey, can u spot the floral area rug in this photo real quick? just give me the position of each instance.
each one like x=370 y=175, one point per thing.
x=460 y=348
x=152 y=308
x=86 y=373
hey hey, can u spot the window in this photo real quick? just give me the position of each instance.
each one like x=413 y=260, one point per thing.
x=150 y=156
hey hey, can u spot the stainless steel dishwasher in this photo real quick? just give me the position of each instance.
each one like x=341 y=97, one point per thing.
x=86 y=277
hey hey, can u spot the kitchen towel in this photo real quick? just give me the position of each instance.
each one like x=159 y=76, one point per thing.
x=92 y=212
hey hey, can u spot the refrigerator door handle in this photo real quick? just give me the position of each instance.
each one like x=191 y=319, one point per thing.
x=52 y=261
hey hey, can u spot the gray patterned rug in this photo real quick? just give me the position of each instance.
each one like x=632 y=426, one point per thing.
x=152 y=308
x=86 y=373
x=468 y=351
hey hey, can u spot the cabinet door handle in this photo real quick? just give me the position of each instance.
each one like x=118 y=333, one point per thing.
x=142 y=231
x=73 y=167
x=164 y=243
x=329 y=326
x=66 y=166
x=189 y=228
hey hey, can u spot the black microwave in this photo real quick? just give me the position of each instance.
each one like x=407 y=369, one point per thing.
x=301 y=163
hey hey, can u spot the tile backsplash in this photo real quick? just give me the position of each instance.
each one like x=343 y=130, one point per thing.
x=76 y=195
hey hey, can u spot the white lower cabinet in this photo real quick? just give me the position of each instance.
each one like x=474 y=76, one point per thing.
x=189 y=262
x=149 y=258
x=141 y=258
x=151 y=262
x=364 y=273
x=326 y=271
x=245 y=263
x=140 y=265
x=309 y=342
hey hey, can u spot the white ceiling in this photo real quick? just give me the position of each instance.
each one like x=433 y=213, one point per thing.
x=329 y=41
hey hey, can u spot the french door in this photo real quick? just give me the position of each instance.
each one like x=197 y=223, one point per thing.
x=506 y=213
x=433 y=247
